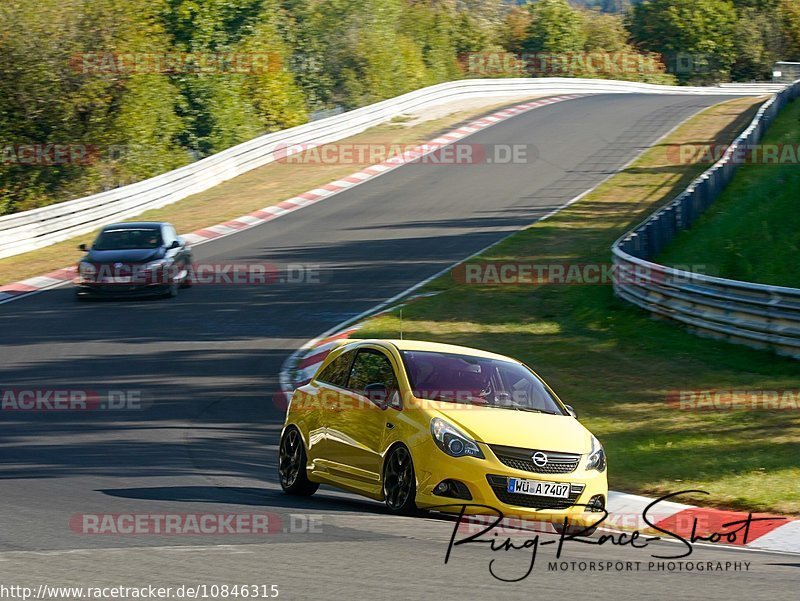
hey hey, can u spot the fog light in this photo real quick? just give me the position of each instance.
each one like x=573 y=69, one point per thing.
x=596 y=504
x=453 y=489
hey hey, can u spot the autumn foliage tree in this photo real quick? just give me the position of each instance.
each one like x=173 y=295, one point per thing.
x=322 y=54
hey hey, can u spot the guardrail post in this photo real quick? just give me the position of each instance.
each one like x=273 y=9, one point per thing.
x=644 y=241
x=668 y=218
x=698 y=199
x=652 y=238
x=712 y=188
x=636 y=245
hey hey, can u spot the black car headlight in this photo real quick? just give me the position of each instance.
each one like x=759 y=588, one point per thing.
x=453 y=441
x=597 y=456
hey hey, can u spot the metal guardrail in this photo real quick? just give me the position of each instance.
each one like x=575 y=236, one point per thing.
x=754 y=314
x=37 y=228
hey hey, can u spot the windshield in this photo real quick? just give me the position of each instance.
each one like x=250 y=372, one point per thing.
x=477 y=381
x=128 y=239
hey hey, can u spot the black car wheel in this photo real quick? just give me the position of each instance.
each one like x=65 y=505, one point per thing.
x=292 y=465
x=399 y=482
x=172 y=292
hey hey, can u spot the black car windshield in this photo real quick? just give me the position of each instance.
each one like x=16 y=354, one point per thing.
x=128 y=239
x=477 y=381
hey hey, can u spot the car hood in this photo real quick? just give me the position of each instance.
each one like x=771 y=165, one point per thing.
x=522 y=429
x=124 y=256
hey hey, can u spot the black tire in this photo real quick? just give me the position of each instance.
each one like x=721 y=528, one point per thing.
x=400 y=482
x=172 y=292
x=292 y=465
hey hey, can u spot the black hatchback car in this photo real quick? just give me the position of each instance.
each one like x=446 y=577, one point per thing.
x=135 y=259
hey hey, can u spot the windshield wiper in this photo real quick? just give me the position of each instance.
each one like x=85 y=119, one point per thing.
x=539 y=411
x=524 y=408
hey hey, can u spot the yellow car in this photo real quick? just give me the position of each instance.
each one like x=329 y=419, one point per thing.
x=421 y=425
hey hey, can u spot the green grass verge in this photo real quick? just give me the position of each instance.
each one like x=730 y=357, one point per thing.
x=614 y=363
x=752 y=232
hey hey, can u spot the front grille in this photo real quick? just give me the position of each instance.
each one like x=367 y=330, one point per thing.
x=521 y=459
x=499 y=485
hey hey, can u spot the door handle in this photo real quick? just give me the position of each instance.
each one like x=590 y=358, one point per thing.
x=390 y=425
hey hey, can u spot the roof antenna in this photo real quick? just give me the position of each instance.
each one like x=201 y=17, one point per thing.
x=401 y=323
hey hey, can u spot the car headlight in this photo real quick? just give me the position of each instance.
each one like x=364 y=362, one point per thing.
x=161 y=263
x=453 y=441
x=86 y=269
x=597 y=456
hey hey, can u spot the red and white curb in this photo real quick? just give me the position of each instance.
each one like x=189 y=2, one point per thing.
x=767 y=532
x=308 y=365
x=16 y=290
x=775 y=533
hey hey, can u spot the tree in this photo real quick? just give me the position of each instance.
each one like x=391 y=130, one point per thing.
x=515 y=28
x=605 y=32
x=696 y=36
x=555 y=28
x=50 y=97
x=224 y=108
x=758 y=44
x=789 y=18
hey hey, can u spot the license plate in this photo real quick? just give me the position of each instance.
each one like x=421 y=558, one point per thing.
x=117 y=279
x=538 y=488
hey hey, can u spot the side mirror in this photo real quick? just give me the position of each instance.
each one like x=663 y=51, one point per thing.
x=175 y=244
x=83 y=247
x=378 y=394
x=572 y=411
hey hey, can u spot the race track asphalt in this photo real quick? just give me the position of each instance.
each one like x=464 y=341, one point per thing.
x=207 y=365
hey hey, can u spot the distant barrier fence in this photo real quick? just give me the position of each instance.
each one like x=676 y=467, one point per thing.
x=754 y=314
x=37 y=228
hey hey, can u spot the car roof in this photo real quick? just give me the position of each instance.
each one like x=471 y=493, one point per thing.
x=438 y=347
x=134 y=225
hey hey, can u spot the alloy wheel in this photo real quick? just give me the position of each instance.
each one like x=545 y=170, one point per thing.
x=399 y=485
x=290 y=458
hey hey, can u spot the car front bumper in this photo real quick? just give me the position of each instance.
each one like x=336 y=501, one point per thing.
x=487 y=481
x=120 y=290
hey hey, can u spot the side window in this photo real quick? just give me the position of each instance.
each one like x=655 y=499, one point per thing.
x=336 y=372
x=371 y=367
x=169 y=235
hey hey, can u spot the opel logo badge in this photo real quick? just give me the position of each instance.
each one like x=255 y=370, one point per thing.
x=539 y=458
